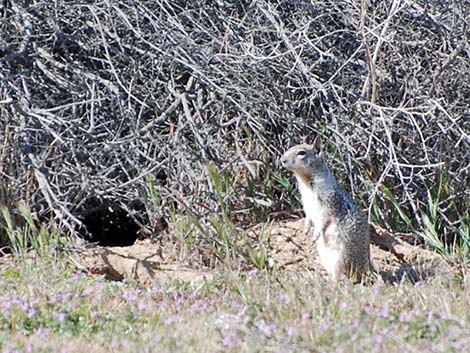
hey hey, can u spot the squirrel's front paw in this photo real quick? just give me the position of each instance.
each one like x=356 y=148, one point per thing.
x=308 y=225
x=315 y=235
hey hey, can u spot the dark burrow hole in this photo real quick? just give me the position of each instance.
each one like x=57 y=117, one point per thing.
x=109 y=224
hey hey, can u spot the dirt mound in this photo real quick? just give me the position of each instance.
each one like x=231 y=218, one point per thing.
x=144 y=262
x=287 y=246
x=394 y=258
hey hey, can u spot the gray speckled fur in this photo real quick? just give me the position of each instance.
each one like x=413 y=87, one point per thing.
x=351 y=224
x=351 y=231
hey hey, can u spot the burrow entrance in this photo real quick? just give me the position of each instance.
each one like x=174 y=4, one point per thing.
x=109 y=224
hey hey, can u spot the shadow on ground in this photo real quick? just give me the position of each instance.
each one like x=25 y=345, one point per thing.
x=288 y=247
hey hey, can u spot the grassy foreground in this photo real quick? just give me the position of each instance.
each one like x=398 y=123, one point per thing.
x=52 y=308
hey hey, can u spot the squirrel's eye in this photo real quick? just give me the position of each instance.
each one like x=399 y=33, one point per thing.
x=301 y=153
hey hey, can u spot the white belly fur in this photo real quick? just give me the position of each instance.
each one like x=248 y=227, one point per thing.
x=330 y=257
x=330 y=254
x=311 y=204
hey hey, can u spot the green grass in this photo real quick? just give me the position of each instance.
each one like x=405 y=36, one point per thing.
x=26 y=236
x=52 y=308
x=47 y=306
x=438 y=210
x=456 y=250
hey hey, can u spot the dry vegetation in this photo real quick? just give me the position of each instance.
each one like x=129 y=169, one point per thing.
x=164 y=119
x=129 y=104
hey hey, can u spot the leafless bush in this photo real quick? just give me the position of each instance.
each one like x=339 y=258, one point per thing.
x=96 y=97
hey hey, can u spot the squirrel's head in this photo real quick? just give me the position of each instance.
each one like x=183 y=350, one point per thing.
x=303 y=159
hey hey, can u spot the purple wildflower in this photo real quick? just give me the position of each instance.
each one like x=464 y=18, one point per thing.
x=267 y=327
x=61 y=317
x=355 y=322
x=306 y=316
x=131 y=295
x=31 y=312
x=43 y=331
x=179 y=300
x=430 y=316
x=6 y=305
x=324 y=326
x=198 y=306
x=169 y=320
x=229 y=340
x=141 y=305
x=384 y=312
x=156 y=290
x=87 y=291
x=77 y=275
x=290 y=331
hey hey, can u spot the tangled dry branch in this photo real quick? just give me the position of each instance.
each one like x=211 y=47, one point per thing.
x=97 y=97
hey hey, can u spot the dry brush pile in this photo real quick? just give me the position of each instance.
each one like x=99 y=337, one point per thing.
x=103 y=104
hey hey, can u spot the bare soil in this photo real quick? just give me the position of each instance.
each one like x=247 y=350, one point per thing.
x=288 y=248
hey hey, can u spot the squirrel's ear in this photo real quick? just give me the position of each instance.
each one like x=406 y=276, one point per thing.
x=317 y=144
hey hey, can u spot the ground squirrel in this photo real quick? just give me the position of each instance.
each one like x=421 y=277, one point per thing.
x=338 y=225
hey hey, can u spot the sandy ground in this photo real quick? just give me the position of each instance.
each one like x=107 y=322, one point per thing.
x=287 y=246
